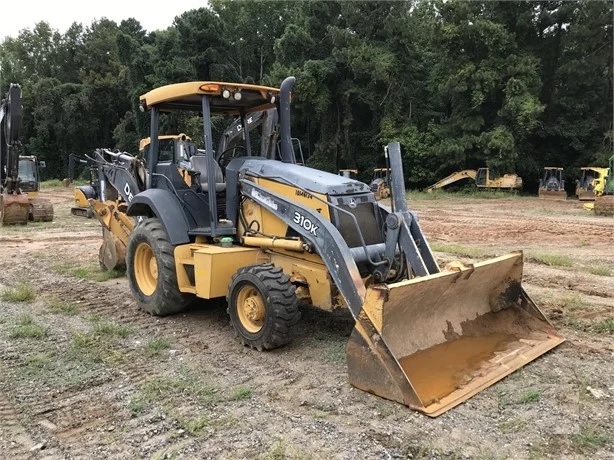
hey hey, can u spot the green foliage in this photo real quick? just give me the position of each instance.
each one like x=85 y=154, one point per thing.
x=514 y=86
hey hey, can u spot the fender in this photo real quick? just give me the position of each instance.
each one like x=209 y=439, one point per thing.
x=165 y=206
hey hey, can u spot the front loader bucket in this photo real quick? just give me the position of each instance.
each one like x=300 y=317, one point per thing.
x=434 y=341
x=14 y=209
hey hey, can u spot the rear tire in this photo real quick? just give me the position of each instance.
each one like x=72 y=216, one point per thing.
x=150 y=265
x=262 y=306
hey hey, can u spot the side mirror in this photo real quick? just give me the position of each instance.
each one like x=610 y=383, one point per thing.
x=42 y=164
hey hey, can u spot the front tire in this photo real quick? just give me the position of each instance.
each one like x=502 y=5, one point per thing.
x=262 y=306
x=150 y=265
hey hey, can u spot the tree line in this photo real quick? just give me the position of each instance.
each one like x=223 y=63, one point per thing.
x=514 y=86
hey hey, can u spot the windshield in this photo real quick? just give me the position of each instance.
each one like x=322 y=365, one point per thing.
x=27 y=171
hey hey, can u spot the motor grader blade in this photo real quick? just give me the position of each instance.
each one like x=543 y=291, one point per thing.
x=434 y=341
x=14 y=209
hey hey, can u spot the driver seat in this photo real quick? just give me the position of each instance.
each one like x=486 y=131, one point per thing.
x=199 y=163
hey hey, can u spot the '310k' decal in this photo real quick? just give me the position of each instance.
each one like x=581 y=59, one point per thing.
x=305 y=223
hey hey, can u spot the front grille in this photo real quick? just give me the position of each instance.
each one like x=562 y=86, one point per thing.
x=364 y=212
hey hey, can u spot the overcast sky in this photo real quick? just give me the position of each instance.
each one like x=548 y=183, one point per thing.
x=16 y=15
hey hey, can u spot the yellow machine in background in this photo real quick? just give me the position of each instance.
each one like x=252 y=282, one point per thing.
x=380 y=183
x=482 y=180
x=41 y=209
x=552 y=185
x=604 y=203
x=349 y=173
x=591 y=184
x=264 y=231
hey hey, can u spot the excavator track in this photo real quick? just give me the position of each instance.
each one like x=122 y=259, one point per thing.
x=41 y=210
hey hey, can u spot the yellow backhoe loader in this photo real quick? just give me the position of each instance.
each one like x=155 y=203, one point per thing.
x=263 y=231
x=591 y=183
x=380 y=183
x=482 y=180
x=552 y=185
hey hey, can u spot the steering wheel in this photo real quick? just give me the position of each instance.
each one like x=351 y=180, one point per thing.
x=227 y=155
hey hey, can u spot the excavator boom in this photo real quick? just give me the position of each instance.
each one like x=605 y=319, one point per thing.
x=14 y=206
x=454 y=177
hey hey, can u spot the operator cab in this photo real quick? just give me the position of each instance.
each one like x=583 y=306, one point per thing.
x=209 y=205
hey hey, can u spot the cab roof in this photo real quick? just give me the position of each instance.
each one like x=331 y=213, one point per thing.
x=188 y=96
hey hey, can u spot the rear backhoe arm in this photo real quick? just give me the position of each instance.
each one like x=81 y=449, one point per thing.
x=10 y=146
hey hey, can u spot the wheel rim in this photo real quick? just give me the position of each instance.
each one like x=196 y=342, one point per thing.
x=145 y=269
x=251 y=309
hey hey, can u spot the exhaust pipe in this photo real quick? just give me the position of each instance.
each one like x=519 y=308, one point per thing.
x=287 y=152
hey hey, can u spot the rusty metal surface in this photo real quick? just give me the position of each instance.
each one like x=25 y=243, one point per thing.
x=450 y=335
x=14 y=209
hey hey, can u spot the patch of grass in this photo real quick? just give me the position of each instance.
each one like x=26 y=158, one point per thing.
x=336 y=353
x=62 y=307
x=589 y=439
x=600 y=270
x=88 y=273
x=529 y=396
x=156 y=346
x=552 y=260
x=605 y=326
x=241 y=393
x=280 y=451
x=96 y=274
x=574 y=323
x=195 y=426
x=38 y=361
x=27 y=329
x=86 y=347
x=169 y=389
x=51 y=183
x=512 y=426
x=333 y=347
x=106 y=328
x=570 y=302
x=459 y=250
x=23 y=292
x=136 y=407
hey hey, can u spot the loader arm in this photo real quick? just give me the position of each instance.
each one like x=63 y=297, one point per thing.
x=325 y=239
x=117 y=175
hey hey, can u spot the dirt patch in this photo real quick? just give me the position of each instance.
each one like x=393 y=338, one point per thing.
x=85 y=374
